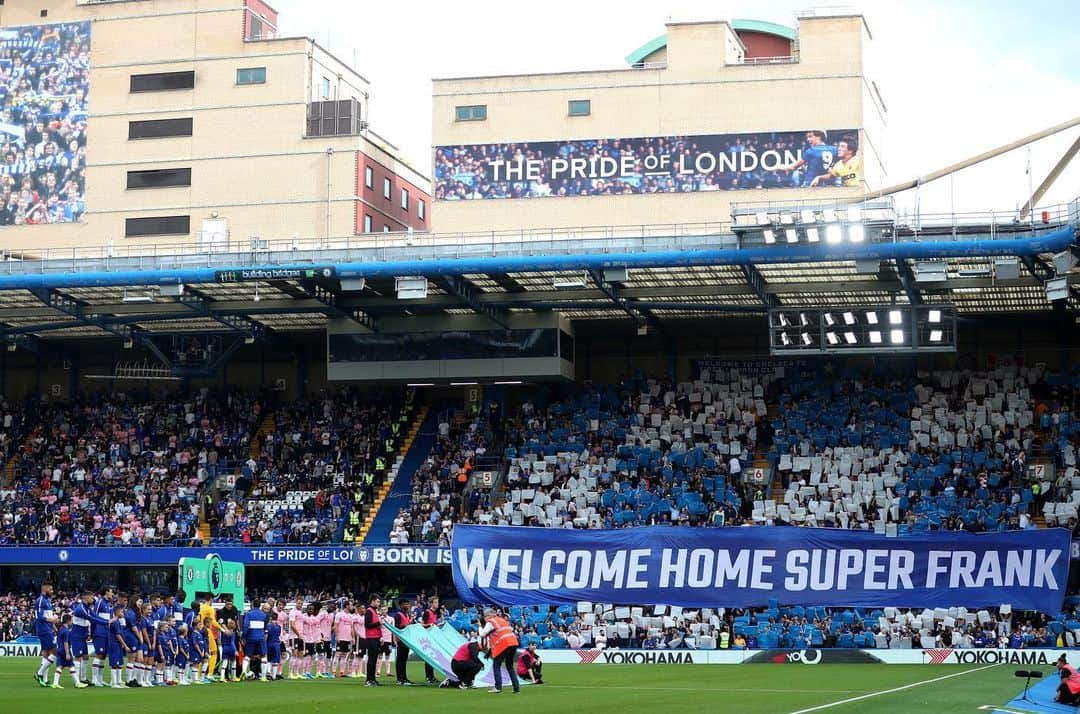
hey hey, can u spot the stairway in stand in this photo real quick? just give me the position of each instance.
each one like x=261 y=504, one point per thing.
x=267 y=427
x=412 y=451
x=9 y=473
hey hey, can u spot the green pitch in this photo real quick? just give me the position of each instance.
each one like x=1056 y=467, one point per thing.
x=572 y=689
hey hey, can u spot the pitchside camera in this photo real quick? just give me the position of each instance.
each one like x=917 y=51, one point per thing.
x=1029 y=674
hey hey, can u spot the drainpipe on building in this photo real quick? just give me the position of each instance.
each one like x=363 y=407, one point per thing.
x=329 y=184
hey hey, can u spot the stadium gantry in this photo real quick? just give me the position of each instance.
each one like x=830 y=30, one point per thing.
x=766 y=258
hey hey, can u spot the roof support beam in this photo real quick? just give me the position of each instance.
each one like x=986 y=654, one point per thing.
x=757 y=283
x=907 y=281
x=201 y=305
x=468 y=293
x=331 y=301
x=81 y=312
x=640 y=316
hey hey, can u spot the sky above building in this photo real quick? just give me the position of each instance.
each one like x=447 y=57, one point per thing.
x=958 y=78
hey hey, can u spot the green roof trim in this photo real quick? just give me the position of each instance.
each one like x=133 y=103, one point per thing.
x=769 y=28
x=638 y=56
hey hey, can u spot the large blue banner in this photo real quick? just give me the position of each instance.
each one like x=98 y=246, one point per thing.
x=287 y=555
x=748 y=567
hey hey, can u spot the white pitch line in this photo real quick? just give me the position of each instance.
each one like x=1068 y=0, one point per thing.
x=890 y=691
x=704 y=689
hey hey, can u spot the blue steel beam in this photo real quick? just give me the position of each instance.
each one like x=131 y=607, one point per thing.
x=1050 y=242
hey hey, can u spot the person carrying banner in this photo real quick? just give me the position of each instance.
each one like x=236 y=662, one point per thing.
x=372 y=639
x=503 y=644
x=429 y=617
x=1068 y=692
x=401 y=661
x=465 y=666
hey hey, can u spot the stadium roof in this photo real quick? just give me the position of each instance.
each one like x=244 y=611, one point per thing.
x=671 y=272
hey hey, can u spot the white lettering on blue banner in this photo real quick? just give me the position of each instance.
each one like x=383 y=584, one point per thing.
x=741 y=567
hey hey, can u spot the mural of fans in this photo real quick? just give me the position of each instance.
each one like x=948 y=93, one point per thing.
x=665 y=164
x=44 y=89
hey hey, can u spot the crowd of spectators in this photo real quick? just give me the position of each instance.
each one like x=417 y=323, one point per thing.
x=115 y=469
x=440 y=496
x=318 y=468
x=44 y=90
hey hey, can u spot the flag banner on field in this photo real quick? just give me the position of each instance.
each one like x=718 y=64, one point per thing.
x=749 y=567
x=437 y=645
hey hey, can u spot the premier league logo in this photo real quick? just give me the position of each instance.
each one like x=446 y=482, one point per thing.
x=216 y=573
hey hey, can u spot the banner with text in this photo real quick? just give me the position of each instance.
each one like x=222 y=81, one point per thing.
x=254 y=555
x=747 y=567
x=655 y=164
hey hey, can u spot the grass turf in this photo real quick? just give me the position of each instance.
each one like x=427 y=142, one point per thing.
x=573 y=689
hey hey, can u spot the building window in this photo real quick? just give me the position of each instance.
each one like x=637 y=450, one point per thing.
x=325 y=87
x=159 y=178
x=159 y=128
x=421 y=209
x=369 y=177
x=579 y=107
x=251 y=75
x=386 y=188
x=386 y=228
x=157 y=226
x=404 y=200
x=163 y=81
x=474 y=112
x=367 y=223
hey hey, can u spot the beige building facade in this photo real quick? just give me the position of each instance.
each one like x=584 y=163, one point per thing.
x=708 y=92
x=199 y=124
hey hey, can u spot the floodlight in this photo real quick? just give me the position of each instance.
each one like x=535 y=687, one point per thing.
x=785 y=340
x=829 y=215
x=807 y=216
x=416 y=288
x=854 y=214
x=807 y=339
x=871 y=317
x=812 y=235
x=787 y=219
x=834 y=234
x=829 y=319
x=770 y=237
x=802 y=319
x=936 y=335
x=832 y=338
x=896 y=317
x=934 y=316
x=850 y=338
x=784 y=322
x=849 y=318
x=1057 y=289
x=856 y=233
x=875 y=337
x=792 y=235
x=762 y=218
x=896 y=337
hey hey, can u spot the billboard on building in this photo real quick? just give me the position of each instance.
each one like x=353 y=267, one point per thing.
x=44 y=90
x=658 y=164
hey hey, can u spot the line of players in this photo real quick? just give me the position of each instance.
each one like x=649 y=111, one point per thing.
x=162 y=643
